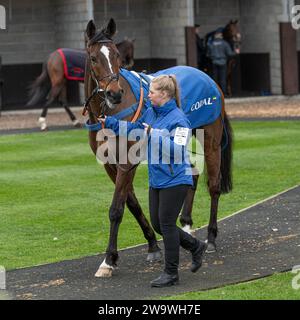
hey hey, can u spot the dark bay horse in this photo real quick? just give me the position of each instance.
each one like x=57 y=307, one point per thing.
x=51 y=84
x=231 y=34
x=108 y=92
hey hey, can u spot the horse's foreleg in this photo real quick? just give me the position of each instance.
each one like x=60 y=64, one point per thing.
x=133 y=205
x=123 y=180
x=186 y=214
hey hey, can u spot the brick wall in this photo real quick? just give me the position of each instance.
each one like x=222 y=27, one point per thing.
x=260 y=29
x=157 y=26
x=71 y=17
x=30 y=31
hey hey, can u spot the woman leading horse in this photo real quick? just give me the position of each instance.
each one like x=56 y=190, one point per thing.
x=108 y=92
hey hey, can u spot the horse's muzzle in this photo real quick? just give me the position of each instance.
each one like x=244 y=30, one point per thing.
x=114 y=97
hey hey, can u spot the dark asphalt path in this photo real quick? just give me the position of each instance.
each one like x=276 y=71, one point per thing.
x=254 y=243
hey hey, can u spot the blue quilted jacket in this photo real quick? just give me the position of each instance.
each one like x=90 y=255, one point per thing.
x=162 y=174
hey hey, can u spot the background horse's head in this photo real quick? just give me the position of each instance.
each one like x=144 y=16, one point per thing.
x=232 y=34
x=105 y=61
x=126 y=49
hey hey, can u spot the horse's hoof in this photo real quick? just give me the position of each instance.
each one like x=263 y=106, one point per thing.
x=76 y=124
x=103 y=273
x=211 y=247
x=154 y=256
x=42 y=123
x=187 y=228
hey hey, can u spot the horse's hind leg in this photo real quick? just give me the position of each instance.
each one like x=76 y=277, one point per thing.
x=54 y=93
x=212 y=145
x=186 y=214
x=133 y=205
x=63 y=102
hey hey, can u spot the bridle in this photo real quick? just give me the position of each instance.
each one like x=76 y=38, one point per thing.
x=97 y=90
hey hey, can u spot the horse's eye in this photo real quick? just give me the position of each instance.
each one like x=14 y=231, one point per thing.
x=93 y=59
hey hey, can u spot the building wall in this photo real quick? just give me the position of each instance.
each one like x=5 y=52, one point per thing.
x=211 y=14
x=259 y=24
x=260 y=30
x=132 y=19
x=157 y=26
x=71 y=17
x=30 y=31
x=168 y=21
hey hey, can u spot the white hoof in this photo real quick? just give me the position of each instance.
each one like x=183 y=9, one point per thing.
x=187 y=228
x=76 y=123
x=103 y=272
x=42 y=123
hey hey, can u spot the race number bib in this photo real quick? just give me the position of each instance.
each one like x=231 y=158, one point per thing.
x=181 y=136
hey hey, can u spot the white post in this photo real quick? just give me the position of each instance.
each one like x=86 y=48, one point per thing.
x=190 y=13
x=2 y=278
x=90 y=9
x=2 y=18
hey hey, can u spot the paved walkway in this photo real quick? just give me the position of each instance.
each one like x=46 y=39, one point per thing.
x=254 y=243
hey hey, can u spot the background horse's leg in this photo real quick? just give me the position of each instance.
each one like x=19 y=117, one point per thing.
x=64 y=103
x=54 y=93
x=186 y=214
x=212 y=147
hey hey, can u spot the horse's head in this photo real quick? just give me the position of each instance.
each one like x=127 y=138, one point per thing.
x=105 y=62
x=232 y=34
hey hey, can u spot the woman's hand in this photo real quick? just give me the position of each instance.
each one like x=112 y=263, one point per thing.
x=102 y=119
x=147 y=128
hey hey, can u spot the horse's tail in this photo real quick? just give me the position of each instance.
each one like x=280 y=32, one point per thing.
x=40 y=88
x=226 y=156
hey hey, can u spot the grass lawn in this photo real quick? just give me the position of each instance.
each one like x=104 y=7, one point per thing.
x=275 y=287
x=54 y=196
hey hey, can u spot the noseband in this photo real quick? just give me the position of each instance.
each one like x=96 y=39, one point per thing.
x=111 y=77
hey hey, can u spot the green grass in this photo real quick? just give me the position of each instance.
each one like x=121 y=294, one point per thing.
x=275 y=287
x=52 y=187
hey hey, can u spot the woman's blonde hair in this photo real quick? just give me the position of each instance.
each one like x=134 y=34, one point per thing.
x=169 y=84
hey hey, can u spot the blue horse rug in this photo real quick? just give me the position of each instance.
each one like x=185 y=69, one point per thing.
x=74 y=63
x=199 y=94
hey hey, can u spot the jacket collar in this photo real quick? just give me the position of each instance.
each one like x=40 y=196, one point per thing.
x=165 y=108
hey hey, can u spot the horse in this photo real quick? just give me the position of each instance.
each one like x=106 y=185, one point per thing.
x=108 y=92
x=52 y=82
x=231 y=34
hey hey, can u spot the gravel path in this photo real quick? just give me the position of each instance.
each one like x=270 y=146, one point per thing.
x=247 y=108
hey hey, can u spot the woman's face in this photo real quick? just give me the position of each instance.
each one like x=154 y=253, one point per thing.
x=157 y=97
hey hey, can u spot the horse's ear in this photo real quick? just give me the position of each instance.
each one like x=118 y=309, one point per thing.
x=110 y=29
x=236 y=21
x=90 y=29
